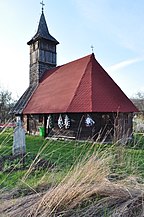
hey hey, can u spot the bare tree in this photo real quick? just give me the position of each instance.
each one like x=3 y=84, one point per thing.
x=138 y=100
x=6 y=103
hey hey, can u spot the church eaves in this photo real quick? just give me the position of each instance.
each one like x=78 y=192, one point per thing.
x=43 y=32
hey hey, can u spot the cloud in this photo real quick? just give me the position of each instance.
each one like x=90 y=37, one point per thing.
x=123 y=64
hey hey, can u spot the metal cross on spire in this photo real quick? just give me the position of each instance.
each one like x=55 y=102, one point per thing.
x=42 y=5
x=92 y=47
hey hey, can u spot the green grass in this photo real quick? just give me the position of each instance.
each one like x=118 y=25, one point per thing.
x=61 y=155
x=11 y=179
x=128 y=162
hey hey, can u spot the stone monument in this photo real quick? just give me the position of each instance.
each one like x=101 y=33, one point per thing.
x=19 y=146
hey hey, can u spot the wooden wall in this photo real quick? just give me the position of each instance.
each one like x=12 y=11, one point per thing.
x=108 y=127
x=102 y=129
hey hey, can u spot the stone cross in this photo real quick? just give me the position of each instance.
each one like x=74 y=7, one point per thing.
x=19 y=146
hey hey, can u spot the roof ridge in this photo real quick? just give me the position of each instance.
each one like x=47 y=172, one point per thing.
x=92 y=56
x=76 y=60
x=79 y=81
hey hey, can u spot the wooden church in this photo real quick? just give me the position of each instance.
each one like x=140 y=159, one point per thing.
x=77 y=100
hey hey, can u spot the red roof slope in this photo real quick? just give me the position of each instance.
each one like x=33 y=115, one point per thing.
x=79 y=86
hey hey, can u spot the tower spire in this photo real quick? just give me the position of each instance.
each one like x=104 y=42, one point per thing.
x=42 y=5
x=42 y=51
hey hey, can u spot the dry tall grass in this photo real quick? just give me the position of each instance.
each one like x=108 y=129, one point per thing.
x=84 y=192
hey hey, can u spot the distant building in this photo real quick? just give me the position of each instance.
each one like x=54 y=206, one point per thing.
x=77 y=100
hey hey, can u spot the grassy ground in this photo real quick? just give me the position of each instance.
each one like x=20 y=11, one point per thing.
x=50 y=163
x=49 y=160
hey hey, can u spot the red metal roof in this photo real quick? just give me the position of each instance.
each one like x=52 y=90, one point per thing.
x=79 y=86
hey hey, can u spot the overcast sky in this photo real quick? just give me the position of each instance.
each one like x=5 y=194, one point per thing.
x=114 y=28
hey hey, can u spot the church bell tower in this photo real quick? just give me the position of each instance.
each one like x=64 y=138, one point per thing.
x=42 y=51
